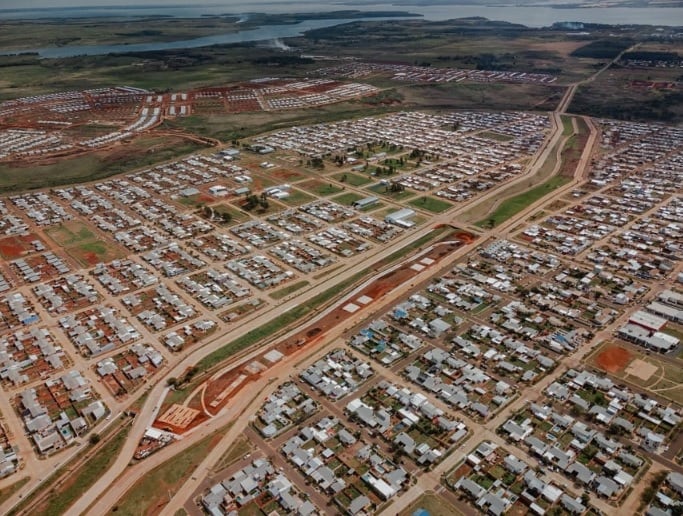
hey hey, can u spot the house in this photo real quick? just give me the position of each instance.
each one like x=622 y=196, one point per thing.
x=573 y=506
x=358 y=504
x=675 y=481
x=605 y=487
x=471 y=488
x=581 y=473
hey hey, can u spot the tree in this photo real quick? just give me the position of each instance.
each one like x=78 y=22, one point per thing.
x=227 y=217
x=172 y=382
x=94 y=438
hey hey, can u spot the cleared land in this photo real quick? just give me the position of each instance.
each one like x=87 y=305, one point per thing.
x=352 y=179
x=431 y=204
x=239 y=448
x=514 y=205
x=83 y=244
x=434 y=504
x=659 y=375
x=142 y=152
x=151 y=493
x=74 y=482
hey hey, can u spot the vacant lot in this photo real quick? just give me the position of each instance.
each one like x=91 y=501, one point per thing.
x=297 y=197
x=320 y=188
x=91 y=167
x=384 y=189
x=83 y=243
x=352 y=179
x=148 y=495
x=433 y=504
x=514 y=205
x=431 y=204
x=648 y=370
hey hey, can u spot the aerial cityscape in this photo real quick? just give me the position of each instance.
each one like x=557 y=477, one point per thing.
x=413 y=258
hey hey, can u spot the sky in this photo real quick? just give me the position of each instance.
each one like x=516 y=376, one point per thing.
x=24 y=4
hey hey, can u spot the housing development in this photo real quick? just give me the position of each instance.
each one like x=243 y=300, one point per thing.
x=353 y=315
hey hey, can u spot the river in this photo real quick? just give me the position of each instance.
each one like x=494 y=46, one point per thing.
x=538 y=16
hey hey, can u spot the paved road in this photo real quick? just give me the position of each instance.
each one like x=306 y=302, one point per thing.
x=111 y=478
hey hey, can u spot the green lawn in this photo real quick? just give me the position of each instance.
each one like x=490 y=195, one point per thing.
x=297 y=198
x=492 y=135
x=8 y=491
x=320 y=188
x=166 y=478
x=82 y=478
x=431 y=204
x=382 y=189
x=238 y=449
x=284 y=292
x=514 y=205
x=71 y=233
x=352 y=179
x=347 y=199
x=92 y=167
x=237 y=216
x=567 y=126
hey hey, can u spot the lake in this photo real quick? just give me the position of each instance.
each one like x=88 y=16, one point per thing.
x=541 y=16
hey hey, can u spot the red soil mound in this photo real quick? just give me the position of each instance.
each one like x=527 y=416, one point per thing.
x=613 y=359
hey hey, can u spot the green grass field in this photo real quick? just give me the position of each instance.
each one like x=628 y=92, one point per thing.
x=91 y=167
x=320 y=188
x=71 y=233
x=237 y=216
x=8 y=491
x=514 y=205
x=239 y=448
x=152 y=491
x=297 y=198
x=431 y=204
x=352 y=179
x=347 y=199
x=83 y=243
x=381 y=189
x=284 y=292
x=82 y=478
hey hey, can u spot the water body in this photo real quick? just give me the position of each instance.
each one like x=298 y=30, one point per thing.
x=529 y=16
x=265 y=33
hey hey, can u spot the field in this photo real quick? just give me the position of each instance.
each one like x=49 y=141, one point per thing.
x=512 y=206
x=320 y=188
x=238 y=449
x=430 y=204
x=549 y=177
x=151 y=493
x=381 y=189
x=272 y=207
x=434 y=504
x=297 y=198
x=124 y=158
x=8 y=491
x=196 y=201
x=659 y=375
x=13 y=247
x=347 y=199
x=236 y=216
x=626 y=92
x=16 y=35
x=289 y=289
x=352 y=179
x=83 y=244
x=80 y=479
